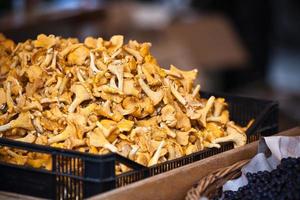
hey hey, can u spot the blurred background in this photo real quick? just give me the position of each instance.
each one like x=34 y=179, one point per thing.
x=249 y=47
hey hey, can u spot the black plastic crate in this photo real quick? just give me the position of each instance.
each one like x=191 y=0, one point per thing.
x=74 y=175
x=77 y=175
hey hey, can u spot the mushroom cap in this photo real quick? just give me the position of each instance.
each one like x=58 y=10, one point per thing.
x=45 y=41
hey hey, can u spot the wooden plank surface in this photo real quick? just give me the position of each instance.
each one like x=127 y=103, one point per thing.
x=175 y=183
x=13 y=196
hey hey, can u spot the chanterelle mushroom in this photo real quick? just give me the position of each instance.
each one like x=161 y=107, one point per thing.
x=156 y=97
x=168 y=115
x=235 y=135
x=104 y=96
x=97 y=139
x=202 y=114
x=117 y=69
x=23 y=121
x=218 y=106
x=93 y=67
x=63 y=135
x=188 y=77
x=81 y=94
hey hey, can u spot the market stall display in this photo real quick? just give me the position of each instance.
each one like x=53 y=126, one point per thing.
x=271 y=174
x=102 y=97
x=106 y=96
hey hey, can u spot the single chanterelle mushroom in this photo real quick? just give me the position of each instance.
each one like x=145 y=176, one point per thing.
x=48 y=59
x=118 y=69
x=188 y=77
x=223 y=118
x=101 y=96
x=107 y=127
x=97 y=139
x=81 y=94
x=156 y=97
x=235 y=135
x=218 y=106
x=93 y=67
x=23 y=121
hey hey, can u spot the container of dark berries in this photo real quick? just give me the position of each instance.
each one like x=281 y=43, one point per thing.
x=274 y=174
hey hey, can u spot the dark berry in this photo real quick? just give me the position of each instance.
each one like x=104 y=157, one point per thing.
x=281 y=183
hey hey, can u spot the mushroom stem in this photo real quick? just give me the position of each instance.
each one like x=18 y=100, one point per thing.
x=205 y=110
x=58 y=83
x=156 y=155
x=63 y=84
x=53 y=63
x=178 y=96
x=92 y=63
x=29 y=138
x=110 y=147
x=5 y=127
x=74 y=105
x=218 y=106
x=48 y=59
x=58 y=138
x=110 y=89
x=211 y=145
x=118 y=70
x=133 y=151
x=234 y=136
x=196 y=90
x=79 y=76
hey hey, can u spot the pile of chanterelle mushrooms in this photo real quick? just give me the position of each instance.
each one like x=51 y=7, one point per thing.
x=104 y=96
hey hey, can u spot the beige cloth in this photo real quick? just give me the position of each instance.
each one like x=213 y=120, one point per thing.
x=279 y=147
